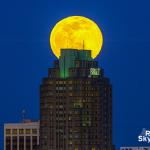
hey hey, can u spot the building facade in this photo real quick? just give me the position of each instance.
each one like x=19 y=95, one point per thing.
x=134 y=148
x=76 y=105
x=21 y=136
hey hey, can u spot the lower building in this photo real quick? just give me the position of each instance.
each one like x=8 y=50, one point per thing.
x=21 y=136
x=135 y=148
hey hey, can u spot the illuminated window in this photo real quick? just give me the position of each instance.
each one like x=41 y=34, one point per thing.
x=14 y=131
x=34 y=131
x=76 y=148
x=28 y=131
x=70 y=82
x=59 y=82
x=8 y=131
x=70 y=88
x=70 y=142
x=78 y=105
x=94 y=71
x=50 y=82
x=93 y=148
x=70 y=94
x=21 y=131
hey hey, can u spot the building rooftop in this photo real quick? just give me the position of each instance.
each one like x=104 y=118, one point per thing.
x=23 y=123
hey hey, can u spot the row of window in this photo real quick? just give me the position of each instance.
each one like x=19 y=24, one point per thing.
x=21 y=131
x=73 y=82
x=20 y=142
x=74 y=87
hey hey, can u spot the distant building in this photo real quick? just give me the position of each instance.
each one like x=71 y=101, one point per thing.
x=21 y=136
x=76 y=105
x=135 y=148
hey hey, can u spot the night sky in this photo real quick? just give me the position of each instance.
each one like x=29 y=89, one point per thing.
x=25 y=56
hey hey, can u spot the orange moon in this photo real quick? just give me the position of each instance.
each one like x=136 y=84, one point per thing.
x=76 y=32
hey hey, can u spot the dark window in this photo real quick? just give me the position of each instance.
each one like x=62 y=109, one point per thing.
x=34 y=141
x=21 y=143
x=8 y=143
x=14 y=141
x=28 y=143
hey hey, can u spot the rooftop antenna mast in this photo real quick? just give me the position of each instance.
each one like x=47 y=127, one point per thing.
x=23 y=114
x=83 y=45
x=67 y=43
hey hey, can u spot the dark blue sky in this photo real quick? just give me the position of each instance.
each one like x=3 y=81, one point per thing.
x=25 y=56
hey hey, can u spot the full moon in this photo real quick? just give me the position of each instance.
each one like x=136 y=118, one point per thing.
x=76 y=32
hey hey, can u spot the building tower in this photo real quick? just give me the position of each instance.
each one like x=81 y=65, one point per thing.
x=76 y=104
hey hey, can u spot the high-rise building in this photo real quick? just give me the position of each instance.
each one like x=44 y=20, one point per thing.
x=134 y=148
x=76 y=104
x=21 y=136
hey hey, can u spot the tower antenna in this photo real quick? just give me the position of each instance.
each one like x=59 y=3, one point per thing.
x=23 y=114
x=83 y=45
x=67 y=43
